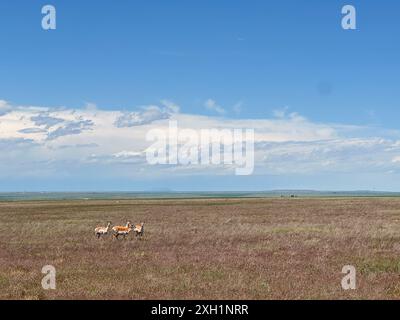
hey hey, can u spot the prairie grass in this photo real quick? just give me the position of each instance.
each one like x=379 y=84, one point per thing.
x=202 y=249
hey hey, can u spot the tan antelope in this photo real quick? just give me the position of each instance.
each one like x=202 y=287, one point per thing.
x=122 y=231
x=139 y=229
x=100 y=231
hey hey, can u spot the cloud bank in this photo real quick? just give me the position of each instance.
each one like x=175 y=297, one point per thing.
x=52 y=142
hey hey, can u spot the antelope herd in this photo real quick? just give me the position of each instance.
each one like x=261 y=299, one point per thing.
x=117 y=231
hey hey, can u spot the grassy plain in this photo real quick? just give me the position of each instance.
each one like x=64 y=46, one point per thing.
x=202 y=248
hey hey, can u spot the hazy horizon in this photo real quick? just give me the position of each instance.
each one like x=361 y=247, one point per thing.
x=126 y=195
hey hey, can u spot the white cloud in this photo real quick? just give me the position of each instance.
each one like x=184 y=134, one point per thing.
x=170 y=106
x=280 y=113
x=70 y=128
x=210 y=104
x=90 y=106
x=396 y=159
x=128 y=154
x=46 y=140
x=4 y=107
x=147 y=115
x=16 y=143
x=43 y=119
x=32 y=130
x=334 y=155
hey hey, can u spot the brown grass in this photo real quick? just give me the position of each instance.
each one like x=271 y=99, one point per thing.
x=202 y=249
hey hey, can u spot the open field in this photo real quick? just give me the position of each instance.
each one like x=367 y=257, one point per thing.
x=202 y=249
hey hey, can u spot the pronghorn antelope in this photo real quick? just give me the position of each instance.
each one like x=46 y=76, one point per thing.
x=99 y=231
x=139 y=229
x=122 y=231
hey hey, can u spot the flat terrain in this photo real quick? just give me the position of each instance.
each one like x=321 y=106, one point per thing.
x=202 y=249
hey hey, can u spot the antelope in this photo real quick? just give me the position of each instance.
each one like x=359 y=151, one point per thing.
x=119 y=230
x=139 y=229
x=99 y=231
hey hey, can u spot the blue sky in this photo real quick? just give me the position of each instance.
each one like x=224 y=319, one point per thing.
x=252 y=59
